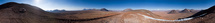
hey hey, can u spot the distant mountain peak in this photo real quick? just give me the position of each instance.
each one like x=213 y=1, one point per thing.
x=104 y=9
x=128 y=9
x=185 y=11
x=173 y=12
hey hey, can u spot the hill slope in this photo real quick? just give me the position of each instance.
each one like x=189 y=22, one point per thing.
x=22 y=13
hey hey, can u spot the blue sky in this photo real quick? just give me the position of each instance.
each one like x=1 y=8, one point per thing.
x=117 y=4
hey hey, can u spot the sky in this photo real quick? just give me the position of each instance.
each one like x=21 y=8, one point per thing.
x=117 y=4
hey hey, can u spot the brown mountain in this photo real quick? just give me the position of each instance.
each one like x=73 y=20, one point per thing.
x=173 y=12
x=185 y=11
x=23 y=13
x=104 y=9
x=128 y=9
x=204 y=16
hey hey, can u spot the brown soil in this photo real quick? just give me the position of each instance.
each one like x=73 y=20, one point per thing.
x=172 y=16
x=23 y=13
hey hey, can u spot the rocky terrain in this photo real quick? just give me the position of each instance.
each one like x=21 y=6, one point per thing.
x=13 y=12
x=22 y=13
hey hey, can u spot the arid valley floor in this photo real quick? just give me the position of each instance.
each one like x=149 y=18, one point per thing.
x=23 y=13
